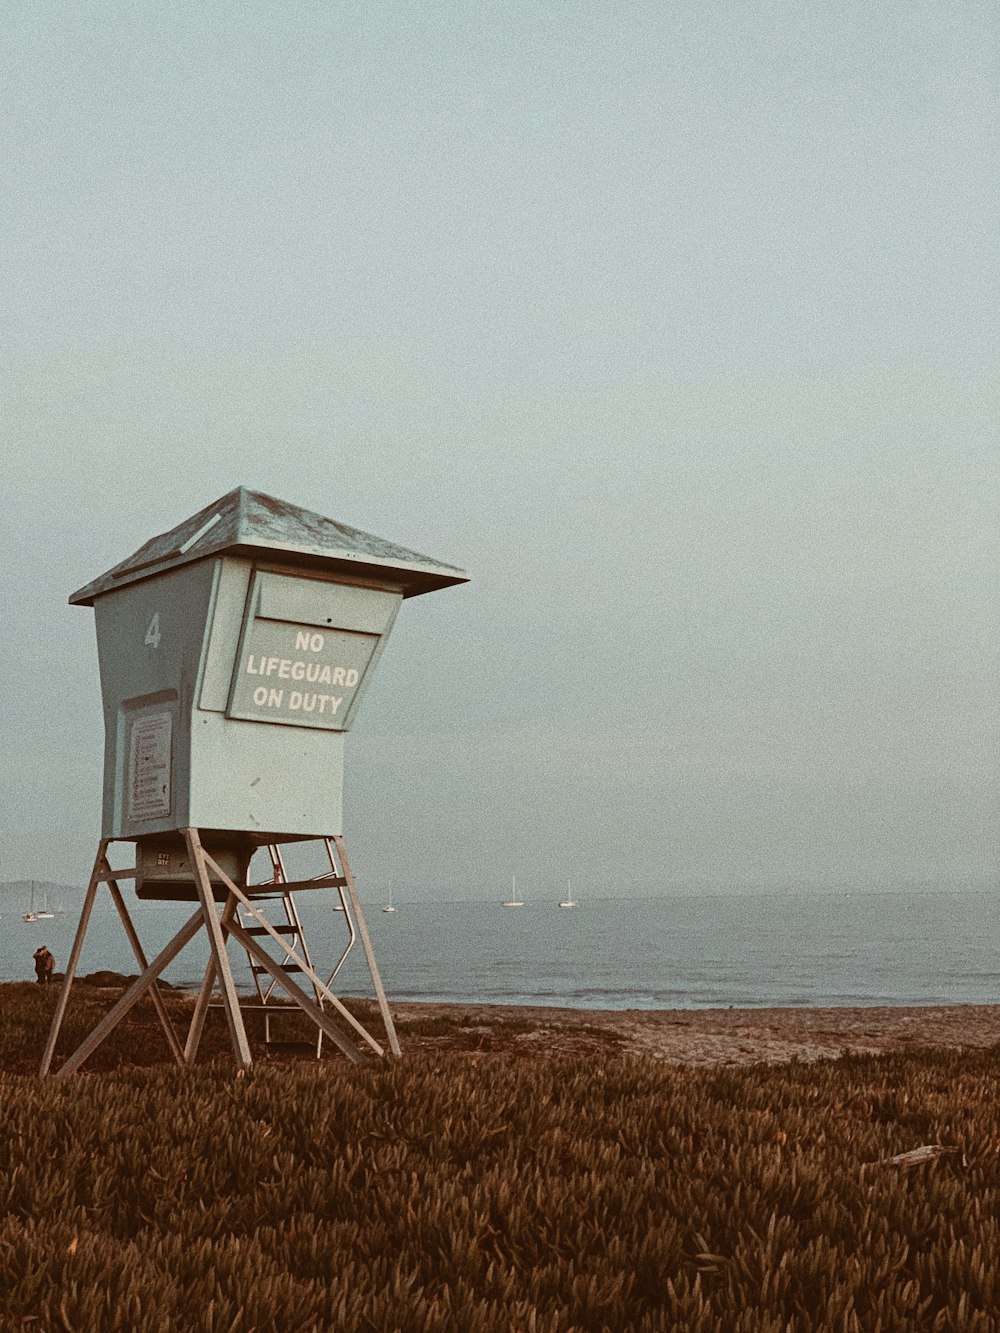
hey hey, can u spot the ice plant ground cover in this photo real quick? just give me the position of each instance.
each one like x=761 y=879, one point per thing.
x=455 y=1191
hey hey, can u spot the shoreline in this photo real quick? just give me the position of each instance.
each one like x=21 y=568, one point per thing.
x=700 y=1036
x=682 y=1037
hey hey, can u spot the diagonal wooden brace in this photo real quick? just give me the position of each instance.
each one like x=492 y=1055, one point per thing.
x=140 y=958
x=282 y=977
x=217 y=941
x=74 y=958
x=133 y=995
x=366 y=944
x=296 y=993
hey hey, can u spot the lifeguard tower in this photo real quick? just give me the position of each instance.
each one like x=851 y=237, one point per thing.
x=234 y=653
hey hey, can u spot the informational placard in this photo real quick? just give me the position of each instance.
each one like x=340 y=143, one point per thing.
x=149 y=756
x=299 y=675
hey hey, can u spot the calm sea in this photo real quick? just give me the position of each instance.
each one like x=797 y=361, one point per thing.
x=675 y=952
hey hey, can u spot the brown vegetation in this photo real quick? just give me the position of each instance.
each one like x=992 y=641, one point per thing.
x=483 y=1188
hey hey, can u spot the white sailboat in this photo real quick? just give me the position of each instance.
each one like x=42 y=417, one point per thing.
x=513 y=900
x=389 y=906
x=42 y=913
x=569 y=900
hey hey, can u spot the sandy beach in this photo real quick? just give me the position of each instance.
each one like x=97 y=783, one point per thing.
x=686 y=1037
x=696 y=1037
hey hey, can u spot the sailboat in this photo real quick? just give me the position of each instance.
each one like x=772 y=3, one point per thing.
x=569 y=900
x=513 y=900
x=43 y=913
x=389 y=907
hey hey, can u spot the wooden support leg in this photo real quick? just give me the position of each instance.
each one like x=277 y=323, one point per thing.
x=205 y=992
x=359 y=916
x=200 y=1013
x=234 y=1016
x=140 y=958
x=74 y=958
x=296 y=993
x=133 y=995
x=281 y=978
x=278 y=862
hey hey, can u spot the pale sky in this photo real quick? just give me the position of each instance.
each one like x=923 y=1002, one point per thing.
x=674 y=323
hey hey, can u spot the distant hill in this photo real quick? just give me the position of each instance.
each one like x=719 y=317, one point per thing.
x=15 y=894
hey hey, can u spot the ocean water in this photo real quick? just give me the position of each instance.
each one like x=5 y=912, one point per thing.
x=690 y=952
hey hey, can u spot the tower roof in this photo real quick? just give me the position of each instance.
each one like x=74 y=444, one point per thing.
x=250 y=523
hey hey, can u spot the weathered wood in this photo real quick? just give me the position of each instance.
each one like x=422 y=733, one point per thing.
x=275 y=969
x=230 y=1001
x=74 y=958
x=197 y=1025
x=296 y=993
x=133 y=995
x=366 y=944
x=928 y=1152
x=140 y=958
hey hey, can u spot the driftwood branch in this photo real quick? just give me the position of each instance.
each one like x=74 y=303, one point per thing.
x=929 y=1152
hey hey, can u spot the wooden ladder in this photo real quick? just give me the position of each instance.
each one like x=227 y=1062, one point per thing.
x=266 y=1001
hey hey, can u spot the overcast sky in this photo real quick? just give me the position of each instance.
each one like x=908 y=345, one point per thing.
x=674 y=323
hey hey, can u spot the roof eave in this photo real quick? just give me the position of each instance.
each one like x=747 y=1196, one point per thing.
x=414 y=579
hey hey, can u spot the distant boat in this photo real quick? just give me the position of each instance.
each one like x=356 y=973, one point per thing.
x=38 y=914
x=389 y=907
x=513 y=900
x=569 y=900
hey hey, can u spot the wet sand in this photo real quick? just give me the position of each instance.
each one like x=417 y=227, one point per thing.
x=695 y=1037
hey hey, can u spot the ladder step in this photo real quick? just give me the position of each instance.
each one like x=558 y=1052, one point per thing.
x=273 y=890
x=282 y=967
x=278 y=930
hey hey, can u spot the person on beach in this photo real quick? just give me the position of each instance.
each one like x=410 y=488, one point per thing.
x=45 y=965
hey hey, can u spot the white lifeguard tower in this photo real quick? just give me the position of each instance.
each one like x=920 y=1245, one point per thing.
x=234 y=652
